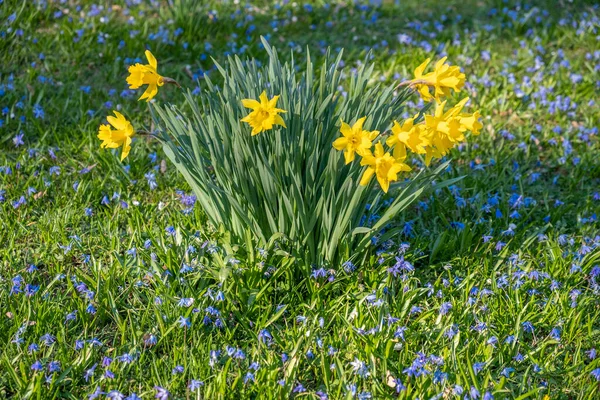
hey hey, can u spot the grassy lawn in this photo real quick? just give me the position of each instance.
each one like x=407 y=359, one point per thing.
x=114 y=285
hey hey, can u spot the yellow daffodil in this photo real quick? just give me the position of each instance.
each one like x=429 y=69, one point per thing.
x=120 y=136
x=264 y=114
x=443 y=78
x=409 y=134
x=446 y=129
x=354 y=140
x=447 y=123
x=145 y=75
x=383 y=166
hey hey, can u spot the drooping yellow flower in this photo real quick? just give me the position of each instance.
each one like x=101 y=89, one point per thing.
x=447 y=123
x=120 y=136
x=354 y=140
x=264 y=113
x=383 y=166
x=411 y=135
x=447 y=129
x=145 y=75
x=443 y=78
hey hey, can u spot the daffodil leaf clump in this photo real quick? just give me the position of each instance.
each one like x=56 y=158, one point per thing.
x=262 y=154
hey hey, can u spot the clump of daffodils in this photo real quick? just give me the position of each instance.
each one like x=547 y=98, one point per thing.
x=271 y=164
x=433 y=137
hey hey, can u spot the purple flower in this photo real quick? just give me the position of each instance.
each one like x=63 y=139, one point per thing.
x=195 y=385
x=249 y=377
x=161 y=393
x=319 y=273
x=90 y=309
x=399 y=386
x=89 y=373
x=400 y=266
x=477 y=367
x=360 y=368
x=184 y=322
x=97 y=393
x=125 y=358
x=18 y=139
x=527 y=327
x=445 y=308
x=399 y=334
x=115 y=395
x=321 y=395
x=150 y=340
x=37 y=366
x=439 y=377
x=591 y=353
x=38 y=111
x=185 y=302
x=54 y=366
x=299 y=388
x=177 y=370
x=264 y=336
x=47 y=339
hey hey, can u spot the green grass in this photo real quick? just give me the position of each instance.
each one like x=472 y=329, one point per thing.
x=549 y=176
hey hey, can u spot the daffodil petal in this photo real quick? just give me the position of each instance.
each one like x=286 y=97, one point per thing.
x=367 y=175
x=279 y=121
x=151 y=60
x=419 y=70
x=250 y=103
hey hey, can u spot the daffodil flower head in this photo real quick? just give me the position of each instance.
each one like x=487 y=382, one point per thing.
x=354 y=140
x=443 y=78
x=264 y=113
x=145 y=75
x=383 y=166
x=446 y=129
x=119 y=136
x=409 y=134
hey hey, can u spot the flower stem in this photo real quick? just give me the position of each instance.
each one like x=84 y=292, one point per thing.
x=413 y=82
x=171 y=81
